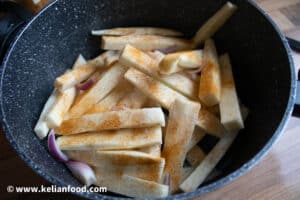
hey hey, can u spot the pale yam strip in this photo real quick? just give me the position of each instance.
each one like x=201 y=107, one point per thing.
x=41 y=128
x=112 y=99
x=179 y=61
x=123 y=157
x=210 y=80
x=208 y=164
x=110 y=140
x=182 y=120
x=80 y=61
x=230 y=111
x=131 y=118
x=137 y=31
x=214 y=23
x=149 y=172
x=154 y=150
x=135 y=58
x=129 y=157
x=165 y=96
x=59 y=109
x=131 y=186
x=156 y=55
x=134 y=100
x=105 y=59
x=144 y=42
x=129 y=162
x=87 y=156
x=211 y=160
x=153 y=88
x=73 y=77
x=79 y=74
x=169 y=64
x=191 y=59
x=133 y=163
x=182 y=84
x=107 y=82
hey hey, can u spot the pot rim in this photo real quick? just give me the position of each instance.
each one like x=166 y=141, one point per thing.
x=200 y=191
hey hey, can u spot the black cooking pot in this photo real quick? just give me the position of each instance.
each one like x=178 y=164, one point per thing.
x=49 y=43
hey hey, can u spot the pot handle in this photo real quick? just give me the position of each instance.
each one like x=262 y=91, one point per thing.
x=295 y=45
x=296 y=111
x=12 y=18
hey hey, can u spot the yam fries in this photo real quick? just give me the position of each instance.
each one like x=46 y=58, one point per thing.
x=180 y=61
x=210 y=27
x=133 y=100
x=230 y=111
x=191 y=59
x=169 y=64
x=182 y=84
x=153 y=88
x=154 y=150
x=59 y=109
x=41 y=128
x=73 y=77
x=110 y=140
x=112 y=99
x=79 y=74
x=144 y=42
x=156 y=55
x=137 y=31
x=206 y=166
x=210 y=80
x=166 y=96
x=80 y=61
x=182 y=120
x=110 y=112
x=131 y=186
x=105 y=59
x=135 y=58
x=135 y=118
x=133 y=163
x=106 y=83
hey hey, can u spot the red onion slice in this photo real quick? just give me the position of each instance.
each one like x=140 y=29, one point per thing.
x=168 y=50
x=167 y=180
x=86 y=84
x=54 y=149
x=82 y=171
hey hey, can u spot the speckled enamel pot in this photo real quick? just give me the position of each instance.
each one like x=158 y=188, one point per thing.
x=50 y=42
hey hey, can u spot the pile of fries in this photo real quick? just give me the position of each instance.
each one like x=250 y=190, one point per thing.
x=108 y=111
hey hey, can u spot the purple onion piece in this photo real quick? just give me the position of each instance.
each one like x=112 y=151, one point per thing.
x=54 y=149
x=86 y=84
x=168 y=50
x=167 y=180
x=82 y=171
